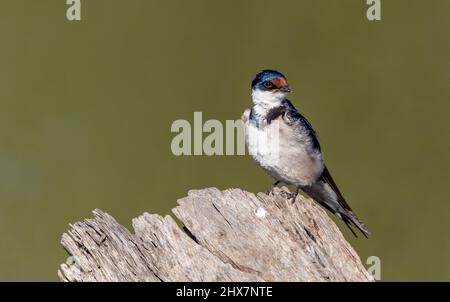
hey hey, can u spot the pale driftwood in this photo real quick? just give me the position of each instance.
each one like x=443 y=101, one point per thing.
x=229 y=235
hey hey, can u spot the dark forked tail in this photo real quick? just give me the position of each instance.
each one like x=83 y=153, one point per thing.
x=326 y=192
x=351 y=219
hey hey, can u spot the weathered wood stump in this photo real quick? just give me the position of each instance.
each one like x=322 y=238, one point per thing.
x=229 y=235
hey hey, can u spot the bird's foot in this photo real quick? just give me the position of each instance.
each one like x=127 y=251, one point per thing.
x=290 y=195
x=269 y=191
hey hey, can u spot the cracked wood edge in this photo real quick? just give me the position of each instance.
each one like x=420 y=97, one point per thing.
x=229 y=235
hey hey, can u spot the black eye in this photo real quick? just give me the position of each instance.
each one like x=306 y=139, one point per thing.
x=268 y=84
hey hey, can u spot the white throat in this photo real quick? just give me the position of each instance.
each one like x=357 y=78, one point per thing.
x=265 y=100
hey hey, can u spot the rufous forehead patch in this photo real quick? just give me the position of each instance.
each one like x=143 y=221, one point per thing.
x=280 y=82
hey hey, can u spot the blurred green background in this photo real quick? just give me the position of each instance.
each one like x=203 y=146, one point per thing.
x=86 y=109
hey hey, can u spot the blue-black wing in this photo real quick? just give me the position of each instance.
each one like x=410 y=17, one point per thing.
x=294 y=116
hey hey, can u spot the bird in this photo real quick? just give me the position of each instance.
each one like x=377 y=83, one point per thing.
x=285 y=145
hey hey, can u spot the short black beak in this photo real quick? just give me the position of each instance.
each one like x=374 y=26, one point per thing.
x=285 y=89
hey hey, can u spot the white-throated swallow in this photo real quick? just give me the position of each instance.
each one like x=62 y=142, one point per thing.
x=285 y=145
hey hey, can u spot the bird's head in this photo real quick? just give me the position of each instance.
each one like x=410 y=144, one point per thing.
x=269 y=88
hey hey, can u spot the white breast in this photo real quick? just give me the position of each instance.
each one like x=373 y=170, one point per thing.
x=283 y=153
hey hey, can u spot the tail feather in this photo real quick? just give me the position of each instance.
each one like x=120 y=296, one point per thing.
x=326 y=192
x=340 y=206
x=349 y=225
x=351 y=219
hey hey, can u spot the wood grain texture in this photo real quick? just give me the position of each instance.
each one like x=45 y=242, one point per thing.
x=229 y=235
